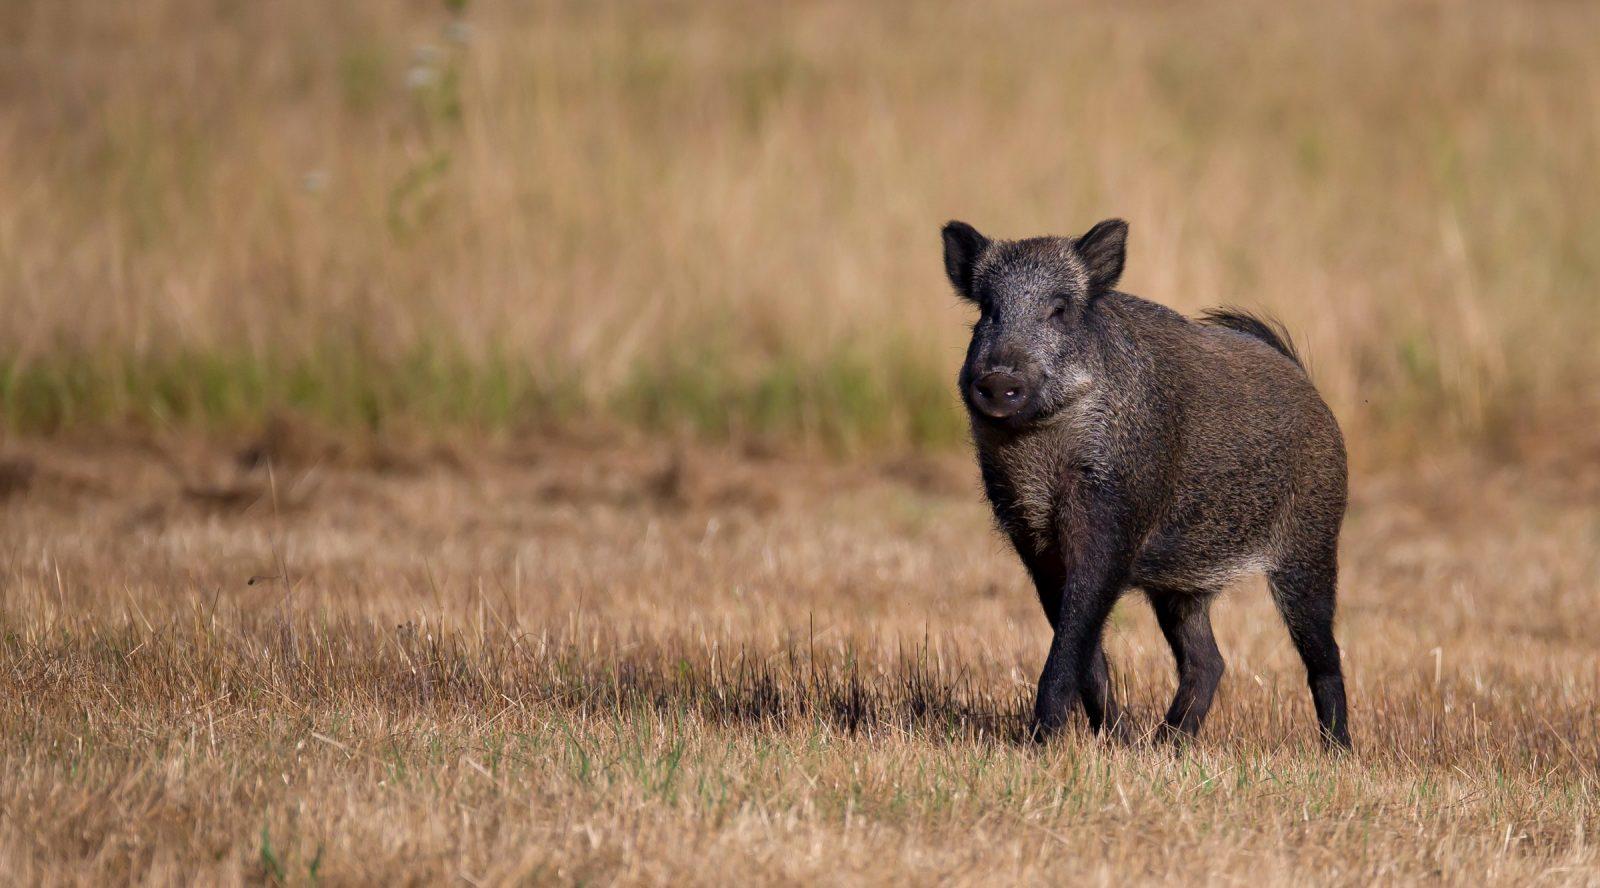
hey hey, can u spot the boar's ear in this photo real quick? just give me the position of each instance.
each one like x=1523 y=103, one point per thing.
x=1102 y=248
x=963 y=247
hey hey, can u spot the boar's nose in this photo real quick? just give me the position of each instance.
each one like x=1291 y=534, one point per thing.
x=998 y=395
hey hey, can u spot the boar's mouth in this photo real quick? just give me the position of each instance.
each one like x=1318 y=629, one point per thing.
x=1003 y=398
x=1028 y=414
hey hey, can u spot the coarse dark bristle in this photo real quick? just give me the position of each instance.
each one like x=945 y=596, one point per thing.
x=1268 y=330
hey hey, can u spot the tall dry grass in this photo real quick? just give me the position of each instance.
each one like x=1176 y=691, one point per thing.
x=723 y=215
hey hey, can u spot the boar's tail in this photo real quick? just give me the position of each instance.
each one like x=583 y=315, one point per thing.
x=1267 y=330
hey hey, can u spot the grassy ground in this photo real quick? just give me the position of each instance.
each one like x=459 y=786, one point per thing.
x=554 y=660
x=450 y=273
x=721 y=217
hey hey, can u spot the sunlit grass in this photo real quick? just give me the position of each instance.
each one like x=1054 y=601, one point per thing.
x=582 y=663
x=846 y=402
x=724 y=218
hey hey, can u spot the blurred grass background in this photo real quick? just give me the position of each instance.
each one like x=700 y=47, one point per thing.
x=721 y=218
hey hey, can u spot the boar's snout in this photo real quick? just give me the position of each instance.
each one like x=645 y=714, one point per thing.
x=999 y=395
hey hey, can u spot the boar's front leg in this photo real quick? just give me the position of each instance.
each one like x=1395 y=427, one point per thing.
x=1096 y=559
x=1099 y=701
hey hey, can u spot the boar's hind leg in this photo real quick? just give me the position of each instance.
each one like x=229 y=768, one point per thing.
x=1304 y=590
x=1185 y=620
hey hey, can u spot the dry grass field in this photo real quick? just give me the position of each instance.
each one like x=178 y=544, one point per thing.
x=508 y=442
x=723 y=216
x=570 y=662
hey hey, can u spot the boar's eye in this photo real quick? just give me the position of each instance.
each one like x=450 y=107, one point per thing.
x=1058 y=308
